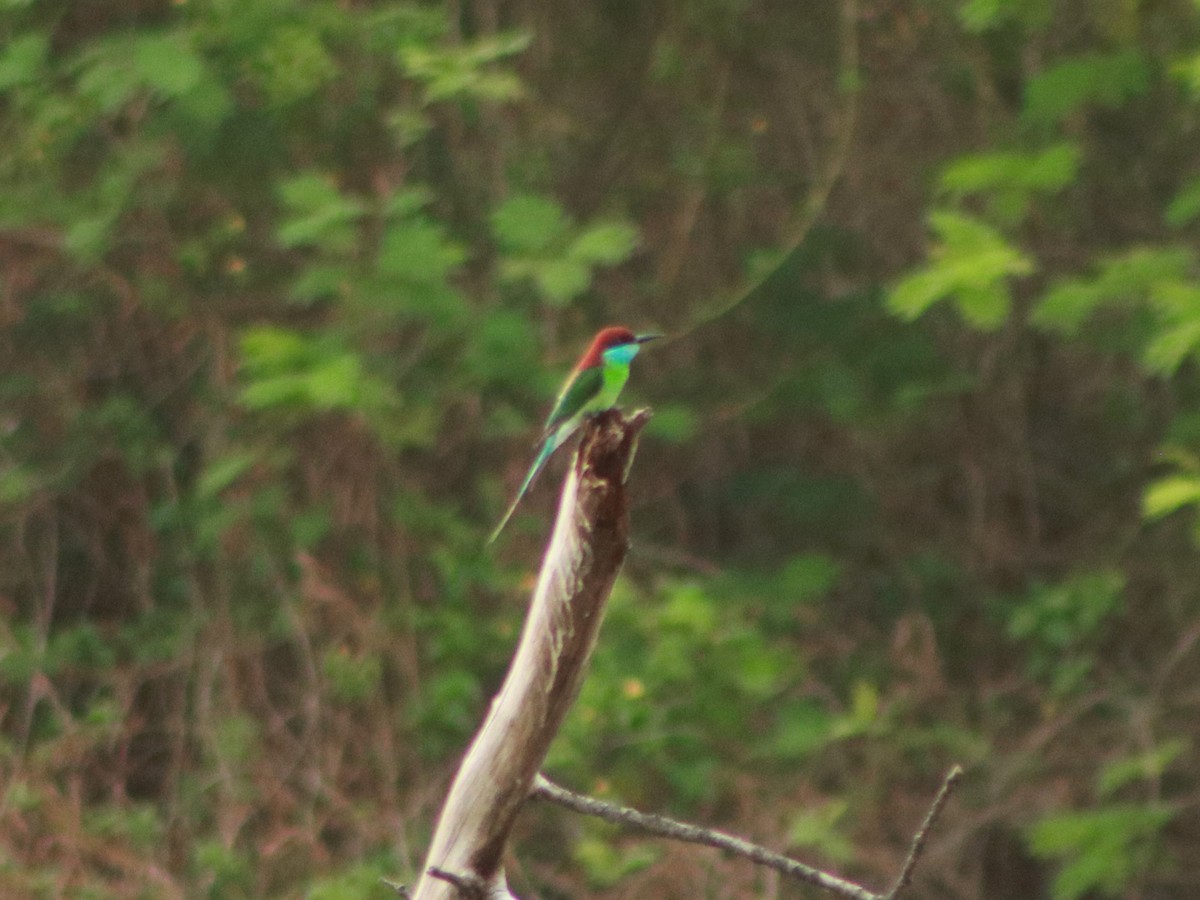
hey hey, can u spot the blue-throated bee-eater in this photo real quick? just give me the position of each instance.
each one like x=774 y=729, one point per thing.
x=593 y=386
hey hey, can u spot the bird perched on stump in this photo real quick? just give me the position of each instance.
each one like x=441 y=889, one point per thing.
x=592 y=387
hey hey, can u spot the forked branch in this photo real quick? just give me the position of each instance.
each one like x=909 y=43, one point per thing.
x=544 y=789
x=500 y=770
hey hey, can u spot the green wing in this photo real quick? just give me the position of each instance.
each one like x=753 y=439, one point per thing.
x=575 y=396
x=580 y=391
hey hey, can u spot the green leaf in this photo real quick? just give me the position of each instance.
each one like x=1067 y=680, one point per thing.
x=1103 y=849
x=1106 y=80
x=1064 y=615
x=1185 y=207
x=1048 y=170
x=528 y=224
x=351 y=678
x=208 y=102
x=293 y=65
x=498 y=46
x=1060 y=625
x=413 y=272
x=864 y=707
x=106 y=77
x=408 y=201
x=1171 y=345
x=334 y=382
x=418 y=252
x=819 y=829
x=362 y=881
x=466 y=71
x=809 y=576
x=534 y=235
x=1167 y=495
x=803 y=728
x=691 y=610
x=1066 y=306
x=970 y=265
x=980 y=15
x=985 y=15
x=229 y=871
x=674 y=423
x=17 y=485
x=1128 y=277
x=321 y=282
x=1143 y=766
x=318 y=213
x=560 y=280
x=1187 y=72
x=962 y=232
x=914 y=294
x=984 y=306
x=87 y=238
x=22 y=59
x=239 y=737
x=758 y=671
x=78 y=647
x=167 y=63
x=604 y=244
x=267 y=346
x=503 y=347
x=222 y=473
x=310 y=191
x=604 y=863
x=288 y=369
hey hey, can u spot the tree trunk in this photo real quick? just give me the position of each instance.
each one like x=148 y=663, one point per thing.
x=586 y=550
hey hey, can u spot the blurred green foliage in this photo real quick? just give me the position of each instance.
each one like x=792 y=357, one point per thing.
x=1107 y=848
x=285 y=289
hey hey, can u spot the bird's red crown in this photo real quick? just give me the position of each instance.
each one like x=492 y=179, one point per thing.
x=613 y=336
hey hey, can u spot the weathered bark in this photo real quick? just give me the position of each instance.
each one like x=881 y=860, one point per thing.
x=586 y=550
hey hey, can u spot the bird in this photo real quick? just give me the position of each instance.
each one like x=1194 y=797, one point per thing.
x=592 y=387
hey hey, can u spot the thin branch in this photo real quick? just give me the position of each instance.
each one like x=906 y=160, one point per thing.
x=677 y=251
x=849 y=81
x=922 y=835
x=693 y=834
x=544 y=789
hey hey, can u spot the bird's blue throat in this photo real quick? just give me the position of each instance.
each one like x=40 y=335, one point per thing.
x=620 y=355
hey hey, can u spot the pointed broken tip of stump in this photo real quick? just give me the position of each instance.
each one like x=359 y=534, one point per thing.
x=607 y=445
x=601 y=467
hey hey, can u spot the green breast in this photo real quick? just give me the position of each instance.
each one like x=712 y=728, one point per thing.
x=614 y=376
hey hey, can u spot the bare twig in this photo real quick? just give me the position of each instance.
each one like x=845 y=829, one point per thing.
x=922 y=835
x=849 y=79
x=544 y=789
x=694 y=834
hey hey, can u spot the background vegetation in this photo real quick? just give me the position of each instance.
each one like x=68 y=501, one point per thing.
x=285 y=288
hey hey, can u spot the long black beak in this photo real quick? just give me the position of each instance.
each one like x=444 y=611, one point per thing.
x=647 y=338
